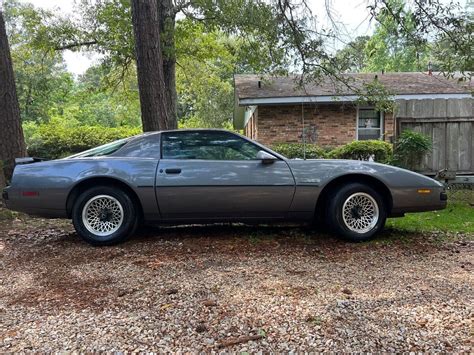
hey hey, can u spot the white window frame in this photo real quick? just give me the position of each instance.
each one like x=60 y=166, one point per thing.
x=382 y=121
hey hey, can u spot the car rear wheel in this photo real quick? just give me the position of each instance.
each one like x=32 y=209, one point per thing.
x=104 y=215
x=356 y=212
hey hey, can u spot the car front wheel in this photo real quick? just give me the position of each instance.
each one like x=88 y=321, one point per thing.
x=104 y=215
x=356 y=212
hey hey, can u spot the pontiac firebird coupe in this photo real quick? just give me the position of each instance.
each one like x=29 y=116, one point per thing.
x=206 y=176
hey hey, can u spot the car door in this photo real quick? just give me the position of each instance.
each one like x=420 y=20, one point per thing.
x=216 y=175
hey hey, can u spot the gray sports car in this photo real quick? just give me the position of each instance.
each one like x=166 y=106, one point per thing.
x=205 y=176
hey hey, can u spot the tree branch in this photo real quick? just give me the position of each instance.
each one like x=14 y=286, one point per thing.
x=76 y=45
x=181 y=6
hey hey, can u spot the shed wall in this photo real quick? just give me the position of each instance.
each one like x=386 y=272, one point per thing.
x=449 y=123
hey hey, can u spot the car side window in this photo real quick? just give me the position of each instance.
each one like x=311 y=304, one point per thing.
x=144 y=147
x=207 y=146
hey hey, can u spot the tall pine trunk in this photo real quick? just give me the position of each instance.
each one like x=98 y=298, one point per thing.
x=155 y=107
x=167 y=20
x=12 y=142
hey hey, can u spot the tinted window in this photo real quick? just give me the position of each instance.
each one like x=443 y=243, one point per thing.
x=207 y=146
x=102 y=150
x=145 y=147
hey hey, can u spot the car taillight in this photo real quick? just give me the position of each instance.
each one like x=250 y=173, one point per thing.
x=30 y=193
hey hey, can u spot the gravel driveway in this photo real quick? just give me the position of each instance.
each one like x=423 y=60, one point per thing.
x=233 y=289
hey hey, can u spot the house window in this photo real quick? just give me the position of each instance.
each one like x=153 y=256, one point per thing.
x=369 y=124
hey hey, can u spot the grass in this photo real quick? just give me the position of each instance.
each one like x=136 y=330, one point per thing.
x=457 y=217
x=6 y=214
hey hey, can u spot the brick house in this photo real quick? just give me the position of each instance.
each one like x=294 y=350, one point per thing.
x=276 y=109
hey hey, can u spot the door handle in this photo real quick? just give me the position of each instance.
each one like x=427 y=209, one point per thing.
x=173 y=171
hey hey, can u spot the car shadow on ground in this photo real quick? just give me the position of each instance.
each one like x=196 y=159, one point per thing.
x=33 y=234
x=286 y=238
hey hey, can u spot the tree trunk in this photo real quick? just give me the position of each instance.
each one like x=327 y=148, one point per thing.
x=12 y=142
x=151 y=81
x=167 y=19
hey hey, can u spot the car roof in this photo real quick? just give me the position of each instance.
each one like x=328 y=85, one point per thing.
x=190 y=130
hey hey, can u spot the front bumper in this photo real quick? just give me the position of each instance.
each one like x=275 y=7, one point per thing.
x=443 y=196
x=409 y=200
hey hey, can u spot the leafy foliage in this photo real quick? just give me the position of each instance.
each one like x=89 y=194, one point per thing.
x=42 y=80
x=422 y=29
x=47 y=90
x=394 y=46
x=410 y=148
x=93 y=102
x=375 y=94
x=296 y=150
x=353 y=57
x=105 y=26
x=207 y=52
x=411 y=36
x=204 y=80
x=379 y=151
x=60 y=138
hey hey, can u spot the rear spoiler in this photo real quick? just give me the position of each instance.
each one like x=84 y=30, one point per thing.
x=28 y=160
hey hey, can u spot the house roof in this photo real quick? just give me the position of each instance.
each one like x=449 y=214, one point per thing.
x=253 y=90
x=246 y=85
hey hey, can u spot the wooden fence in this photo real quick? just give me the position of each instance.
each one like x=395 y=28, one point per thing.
x=450 y=125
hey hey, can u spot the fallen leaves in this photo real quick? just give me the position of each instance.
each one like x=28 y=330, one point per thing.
x=346 y=291
x=209 y=303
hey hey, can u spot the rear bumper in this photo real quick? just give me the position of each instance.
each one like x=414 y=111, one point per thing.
x=5 y=194
x=14 y=201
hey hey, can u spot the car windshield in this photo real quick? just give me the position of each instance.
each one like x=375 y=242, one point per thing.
x=102 y=150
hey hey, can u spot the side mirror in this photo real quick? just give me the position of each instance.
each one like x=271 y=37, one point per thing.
x=265 y=157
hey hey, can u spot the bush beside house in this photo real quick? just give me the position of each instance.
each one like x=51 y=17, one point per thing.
x=297 y=150
x=376 y=150
x=410 y=148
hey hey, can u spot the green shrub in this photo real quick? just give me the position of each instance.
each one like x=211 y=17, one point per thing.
x=57 y=139
x=296 y=150
x=410 y=148
x=380 y=151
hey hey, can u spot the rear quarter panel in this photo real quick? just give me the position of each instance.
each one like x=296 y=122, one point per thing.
x=54 y=180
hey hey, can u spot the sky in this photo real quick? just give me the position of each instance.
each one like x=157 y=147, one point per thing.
x=350 y=16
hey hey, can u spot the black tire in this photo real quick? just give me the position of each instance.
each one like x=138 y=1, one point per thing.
x=120 y=202
x=353 y=227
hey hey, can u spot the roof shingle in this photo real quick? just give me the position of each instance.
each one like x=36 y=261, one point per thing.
x=246 y=85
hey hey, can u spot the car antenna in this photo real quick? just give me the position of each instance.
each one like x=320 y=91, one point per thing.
x=303 y=133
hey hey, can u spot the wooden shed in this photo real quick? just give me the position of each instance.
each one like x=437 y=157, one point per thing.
x=450 y=125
